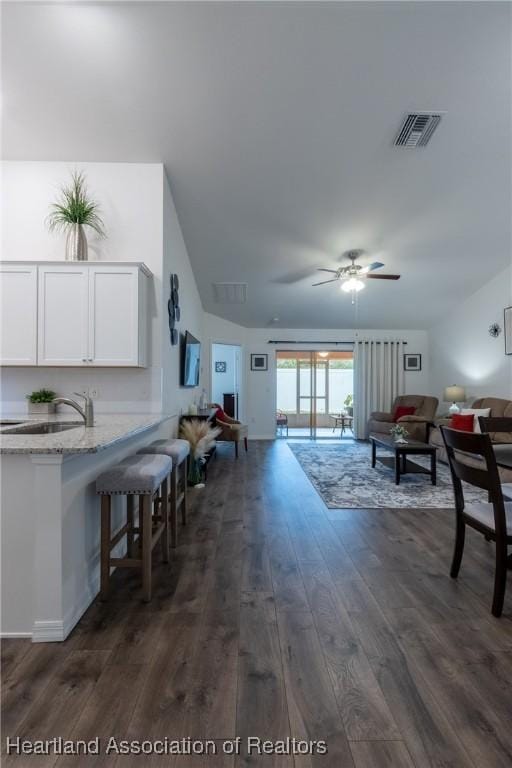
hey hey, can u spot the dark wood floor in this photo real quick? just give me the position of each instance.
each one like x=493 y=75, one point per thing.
x=279 y=617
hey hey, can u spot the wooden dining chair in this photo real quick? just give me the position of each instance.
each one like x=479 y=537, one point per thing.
x=494 y=518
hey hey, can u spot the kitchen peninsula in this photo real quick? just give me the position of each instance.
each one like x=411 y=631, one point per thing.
x=50 y=514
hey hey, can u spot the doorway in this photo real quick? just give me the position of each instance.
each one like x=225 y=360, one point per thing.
x=314 y=394
x=226 y=376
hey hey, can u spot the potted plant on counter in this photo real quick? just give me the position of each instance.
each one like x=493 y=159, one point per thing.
x=74 y=211
x=349 y=405
x=41 y=401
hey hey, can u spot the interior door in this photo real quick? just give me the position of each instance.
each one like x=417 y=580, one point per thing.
x=237 y=381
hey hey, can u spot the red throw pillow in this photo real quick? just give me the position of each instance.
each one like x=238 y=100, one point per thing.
x=219 y=414
x=403 y=410
x=462 y=422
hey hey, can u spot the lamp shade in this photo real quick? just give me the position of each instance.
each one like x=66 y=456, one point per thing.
x=454 y=394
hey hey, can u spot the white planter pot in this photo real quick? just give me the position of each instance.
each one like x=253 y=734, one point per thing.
x=41 y=408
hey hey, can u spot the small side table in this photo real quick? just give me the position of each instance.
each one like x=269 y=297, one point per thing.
x=342 y=420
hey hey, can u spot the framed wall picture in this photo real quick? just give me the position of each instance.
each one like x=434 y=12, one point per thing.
x=507 y=323
x=259 y=362
x=412 y=362
x=173 y=309
x=220 y=366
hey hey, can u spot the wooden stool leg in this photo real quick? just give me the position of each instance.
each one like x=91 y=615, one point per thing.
x=129 y=520
x=174 y=504
x=141 y=526
x=164 y=495
x=105 y=546
x=184 y=483
x=146 y=547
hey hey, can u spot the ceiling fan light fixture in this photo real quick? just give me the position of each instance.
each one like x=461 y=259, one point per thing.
x=351 y=285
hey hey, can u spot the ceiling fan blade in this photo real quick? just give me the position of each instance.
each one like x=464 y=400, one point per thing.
x=383 y=277
x=334 y=271
x=334 y=280
x=371 y=267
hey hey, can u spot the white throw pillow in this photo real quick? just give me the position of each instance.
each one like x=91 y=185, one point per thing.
x=476 y=412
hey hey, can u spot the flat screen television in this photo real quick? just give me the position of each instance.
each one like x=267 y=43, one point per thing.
x=191 y=361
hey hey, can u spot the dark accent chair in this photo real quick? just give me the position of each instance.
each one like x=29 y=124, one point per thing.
x=494 y=518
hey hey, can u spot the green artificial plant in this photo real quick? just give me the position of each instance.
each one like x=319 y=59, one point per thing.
x=41 y=396
x=75 y=207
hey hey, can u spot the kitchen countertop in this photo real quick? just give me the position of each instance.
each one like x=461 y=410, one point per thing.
x=108 y=430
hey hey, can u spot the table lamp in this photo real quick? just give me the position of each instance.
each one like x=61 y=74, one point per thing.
x=453 y=395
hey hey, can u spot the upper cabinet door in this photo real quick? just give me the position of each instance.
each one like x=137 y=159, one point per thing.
x=114 y=309
x=63 y=315
x=18 y=315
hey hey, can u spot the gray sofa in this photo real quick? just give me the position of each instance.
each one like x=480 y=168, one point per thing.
x=417 y=426
x=499 y=407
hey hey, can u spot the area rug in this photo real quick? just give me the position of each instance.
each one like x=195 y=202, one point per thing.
x=343 y=476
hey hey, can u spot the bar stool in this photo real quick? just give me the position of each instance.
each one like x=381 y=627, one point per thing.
x=147 y=478
x=178 y=450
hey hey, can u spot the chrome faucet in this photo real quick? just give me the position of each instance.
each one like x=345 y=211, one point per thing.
x=87 y=413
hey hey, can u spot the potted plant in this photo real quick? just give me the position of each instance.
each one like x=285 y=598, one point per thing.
x=348 y=403
x=201 y=438
x=399 y=433
x=74 y=211
x=41 y=401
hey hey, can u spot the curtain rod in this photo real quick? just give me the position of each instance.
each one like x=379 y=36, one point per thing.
x=288 y=341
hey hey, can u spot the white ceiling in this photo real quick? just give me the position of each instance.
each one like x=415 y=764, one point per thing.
x=275 y=122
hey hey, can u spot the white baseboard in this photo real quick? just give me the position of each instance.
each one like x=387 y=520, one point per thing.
x=48 y=631
x=15 y=635
x=57 y=631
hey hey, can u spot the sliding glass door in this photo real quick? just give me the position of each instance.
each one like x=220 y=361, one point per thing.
x=313 y=394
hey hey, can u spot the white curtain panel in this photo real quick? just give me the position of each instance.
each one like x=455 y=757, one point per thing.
x=378 y=378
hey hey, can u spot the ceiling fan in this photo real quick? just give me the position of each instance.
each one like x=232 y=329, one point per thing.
x=352 y=277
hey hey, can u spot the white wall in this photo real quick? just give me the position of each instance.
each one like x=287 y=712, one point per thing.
x=141 y=225
x=259 y=387
x=176 y=399
x=462 y=351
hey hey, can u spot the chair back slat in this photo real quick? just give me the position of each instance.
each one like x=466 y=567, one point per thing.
x=495 y=423
x=472 y=475
x=464 y=446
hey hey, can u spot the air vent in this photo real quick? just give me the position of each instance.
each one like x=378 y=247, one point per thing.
x=417 y=129
x=229 y=293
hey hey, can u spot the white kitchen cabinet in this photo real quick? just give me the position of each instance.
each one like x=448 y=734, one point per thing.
x=117 y=312
x=63 y=315
x=18 y=314
x=85 y=314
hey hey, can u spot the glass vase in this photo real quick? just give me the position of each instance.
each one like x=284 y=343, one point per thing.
x=194 y=472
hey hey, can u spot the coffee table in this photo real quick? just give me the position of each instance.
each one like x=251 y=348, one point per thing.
x=399 y=461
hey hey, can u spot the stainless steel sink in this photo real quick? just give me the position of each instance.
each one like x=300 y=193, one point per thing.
x=43 y=428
